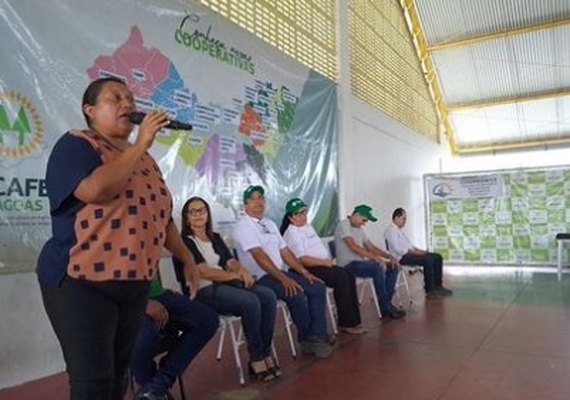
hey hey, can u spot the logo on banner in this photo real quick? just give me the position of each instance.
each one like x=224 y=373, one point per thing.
x=442 y=190
x=204 y=42
x=20 y=126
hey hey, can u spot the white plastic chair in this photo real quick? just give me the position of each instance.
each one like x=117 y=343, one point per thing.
x=331 y=306
x=237 y=339
x=288 y=322
x=227 y=321
x=362 y=283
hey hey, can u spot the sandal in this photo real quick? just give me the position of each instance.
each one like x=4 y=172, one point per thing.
x=263 y=375
x=353 y=330
x=273 y=367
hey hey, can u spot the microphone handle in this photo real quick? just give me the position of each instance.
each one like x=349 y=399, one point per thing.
x=136 y=117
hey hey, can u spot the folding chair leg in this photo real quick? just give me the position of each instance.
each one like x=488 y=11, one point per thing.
x=332 y=316
x=181 y=384
x=403 y=281
x=288 y=322
x=374 y=297
x=221 y=341
x=235 y=347
x=274 y=353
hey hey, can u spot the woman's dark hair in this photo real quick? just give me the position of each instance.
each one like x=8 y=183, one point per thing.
x=92 y=93
x=285 y=223
x=186 y=230
x=398 y=212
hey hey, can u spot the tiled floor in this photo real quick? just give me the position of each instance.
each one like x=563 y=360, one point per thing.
x=504 y=335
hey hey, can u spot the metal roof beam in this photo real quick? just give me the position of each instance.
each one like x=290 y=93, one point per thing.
x=414 y=26
x=473 y=105
x=497 y=35
x=482 y=148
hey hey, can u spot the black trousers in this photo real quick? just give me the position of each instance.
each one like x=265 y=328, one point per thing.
x=345 y=296
x=96 y=324
x=433 y=268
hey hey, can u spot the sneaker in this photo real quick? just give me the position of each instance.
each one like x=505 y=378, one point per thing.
x=444 y=291
x=394 y=313
x=323 y=349
x=318 y=349
x=148 y=395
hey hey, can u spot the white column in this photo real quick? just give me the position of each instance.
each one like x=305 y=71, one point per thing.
x=345 y=156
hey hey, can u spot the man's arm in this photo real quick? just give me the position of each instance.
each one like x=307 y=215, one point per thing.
x=371 y=247
x=363 y=251
x=158 y=313
x=265 y=262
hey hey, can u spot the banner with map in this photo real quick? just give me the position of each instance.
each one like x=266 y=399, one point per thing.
x=259 y=117
x=515 y=224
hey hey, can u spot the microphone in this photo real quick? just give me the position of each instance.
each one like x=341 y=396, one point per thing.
x=136 y=117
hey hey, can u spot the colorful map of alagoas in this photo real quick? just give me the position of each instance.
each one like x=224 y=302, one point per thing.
x=246 y=131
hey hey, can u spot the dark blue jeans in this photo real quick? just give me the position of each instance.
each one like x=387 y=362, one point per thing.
x=190 y=326
x=96 y=324
x=433 y=268
x=384 y=283
x=255 y=306
x=307 y=307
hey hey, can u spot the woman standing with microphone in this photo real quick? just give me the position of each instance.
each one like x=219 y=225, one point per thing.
x=111 y=217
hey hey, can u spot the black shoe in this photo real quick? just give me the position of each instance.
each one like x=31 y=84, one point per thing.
x=394 y=313
x=434 y=294
x=444 y=291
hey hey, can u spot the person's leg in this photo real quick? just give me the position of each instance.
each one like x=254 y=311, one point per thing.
x=344 y=290
x=197 y=323
x=143 y=366
x=428 y=266
x=316 y=299
x=437 y=262
x=296 y=304
x=268 y=301
x=85 y=316
x=391 y=276
x=371 y=269
x=229 y=300
x=133 y=300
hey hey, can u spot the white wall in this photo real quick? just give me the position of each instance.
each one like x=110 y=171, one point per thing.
x=506 y=160
x=382 y=163
x=28 y=347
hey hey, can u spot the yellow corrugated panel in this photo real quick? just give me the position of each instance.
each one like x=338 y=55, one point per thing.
x=385 y=71
x=305 y=30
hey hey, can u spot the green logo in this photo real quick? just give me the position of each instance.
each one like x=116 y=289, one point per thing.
x=21 y=135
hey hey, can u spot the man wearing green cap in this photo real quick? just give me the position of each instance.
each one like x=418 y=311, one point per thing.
x=357 y=253
x=261 y=248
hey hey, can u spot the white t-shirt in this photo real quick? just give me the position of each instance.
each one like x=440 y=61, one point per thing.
x=304 y=241
x=396 y=240
x=212 y=259
x=249 y=233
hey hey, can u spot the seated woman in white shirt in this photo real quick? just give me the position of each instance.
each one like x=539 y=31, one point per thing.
x=304 y=242
x=229 y=288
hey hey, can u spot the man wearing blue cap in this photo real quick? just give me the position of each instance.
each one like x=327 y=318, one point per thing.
x=357 y=253
x=261 y=248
